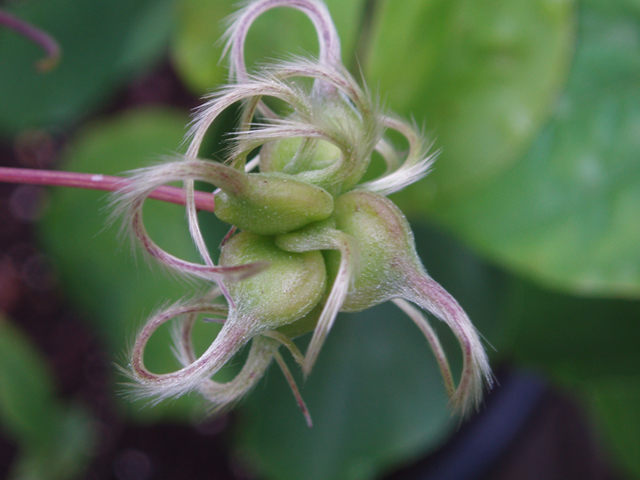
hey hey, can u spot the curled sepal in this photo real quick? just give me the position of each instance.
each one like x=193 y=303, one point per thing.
x=429 y=295
x=130 y=199
x=400 y=174
x=233 y=336
x=317 y=12
x=265 y=84
x=267 y=204
x=223 y=396
x=390 y=268
x=323 y=237
x=434 y=342
x=288 y=290
x=264 y=348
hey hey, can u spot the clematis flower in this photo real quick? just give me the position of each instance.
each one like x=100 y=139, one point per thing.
x=314 y=239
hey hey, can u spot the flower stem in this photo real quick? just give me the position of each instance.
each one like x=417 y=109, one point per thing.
x=204 y=201
x=46 y=41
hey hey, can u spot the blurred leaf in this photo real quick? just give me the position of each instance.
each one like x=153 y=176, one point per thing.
x=376 y=398
x=26 y=389
x=482 y=76
x=103 y=45
x=55 y=440
x=567 y=213
x=376 y=395
x=589 y=345
x=197 y=46
x=67 y=453
x=616 y=401
x=97 y=267
x=575 y=338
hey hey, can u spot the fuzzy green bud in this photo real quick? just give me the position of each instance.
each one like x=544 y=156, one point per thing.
x=385 y=243
x=336 y=165
x=289 y=156
x=270 y=204
x=286 y=291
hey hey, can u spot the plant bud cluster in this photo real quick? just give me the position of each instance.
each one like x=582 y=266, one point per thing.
x=315 y=239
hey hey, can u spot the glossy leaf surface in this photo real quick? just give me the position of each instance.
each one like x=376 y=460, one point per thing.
x=567 y=212
x=482 y=77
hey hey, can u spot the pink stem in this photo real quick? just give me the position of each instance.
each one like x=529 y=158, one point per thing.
x=204 y=201
x=48 y=44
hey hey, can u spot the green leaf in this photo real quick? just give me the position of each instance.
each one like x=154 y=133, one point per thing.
x=55 y=440
x=376 y=396
x=26 y=389
x=575 y=338
x=589 y=345
x=103 y=45
x=99 y=271
x=482 y=76
x=567 y=213
x=616 y=401
x=197 y=46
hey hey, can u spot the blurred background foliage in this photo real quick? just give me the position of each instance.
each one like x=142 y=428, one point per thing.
x=531 y=217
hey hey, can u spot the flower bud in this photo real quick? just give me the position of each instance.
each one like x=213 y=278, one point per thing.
x=335 y=157
x=286 y=291
x=285 y=156
x=390 y=269
x=385 y=243
x=269 y=204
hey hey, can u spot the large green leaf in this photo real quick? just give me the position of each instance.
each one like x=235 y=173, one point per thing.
x=590 y=345
x=580 y=338
x=376 y=396
x=482 y=76
x=616 y=401
x=55 y=440
x=103 y=45
x=197 y=46
x=567 y=213
x=96 y=264
x=26 y=392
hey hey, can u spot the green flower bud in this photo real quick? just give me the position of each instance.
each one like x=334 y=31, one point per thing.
x=328 y=248
x=334 y=154
x=289 y=289
x=385 y=243
x=289 y=156
x=270 y=204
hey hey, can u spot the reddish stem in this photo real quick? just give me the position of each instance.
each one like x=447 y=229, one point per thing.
x=204 y=201
x=48 y=44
